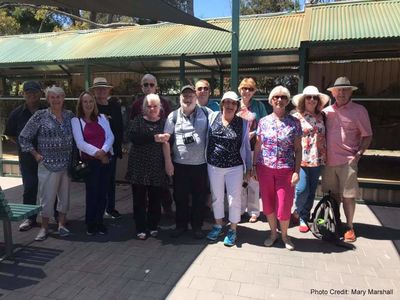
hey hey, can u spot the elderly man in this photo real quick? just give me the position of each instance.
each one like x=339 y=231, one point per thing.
x=28 y=165
x=349 y=134
x=149 y=86
x=203 y=92
x=188 y=126
x=112 y=110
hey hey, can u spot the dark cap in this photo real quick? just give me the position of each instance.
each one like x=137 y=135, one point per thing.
x=31 y=86
x=188 y=87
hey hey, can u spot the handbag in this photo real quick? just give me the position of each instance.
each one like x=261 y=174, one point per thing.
x=79 y=169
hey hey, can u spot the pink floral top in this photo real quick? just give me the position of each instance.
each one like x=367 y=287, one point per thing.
x=313 y=141
x=277 y=141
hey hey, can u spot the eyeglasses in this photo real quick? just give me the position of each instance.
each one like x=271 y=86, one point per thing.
x=316 y=98
x=248 y=89
x=146 y=84
x=203 y=88
x=283 y=97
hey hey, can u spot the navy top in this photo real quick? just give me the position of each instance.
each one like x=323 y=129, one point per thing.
x=224 y=143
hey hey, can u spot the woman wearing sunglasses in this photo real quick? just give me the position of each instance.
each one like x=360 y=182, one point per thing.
x=277 y=157
x=252 y=111
x=309 y=105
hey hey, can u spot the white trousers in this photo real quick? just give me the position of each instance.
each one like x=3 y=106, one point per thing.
x=52 y=185
x=232 y=178
x=251 y=198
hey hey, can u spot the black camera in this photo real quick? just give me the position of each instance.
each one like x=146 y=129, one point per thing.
x=188 y=140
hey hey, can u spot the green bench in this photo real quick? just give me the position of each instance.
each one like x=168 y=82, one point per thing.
x=11 y=212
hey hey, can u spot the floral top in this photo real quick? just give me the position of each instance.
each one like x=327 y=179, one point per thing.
x=277 y=141
x=313 y=141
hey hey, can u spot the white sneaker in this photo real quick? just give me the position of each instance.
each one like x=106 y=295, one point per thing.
x=63 y=231
x=288 y=243
x=42 y=235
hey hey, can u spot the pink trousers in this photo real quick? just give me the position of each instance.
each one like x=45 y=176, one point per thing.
x=276 y=191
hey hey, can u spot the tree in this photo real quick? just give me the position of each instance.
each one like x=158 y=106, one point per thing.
x=8 y=24
x=249 y=7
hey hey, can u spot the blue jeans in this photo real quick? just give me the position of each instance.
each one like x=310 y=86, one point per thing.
x=29 y=171
x=305 y=191
x=111 y=184
x=96 y=191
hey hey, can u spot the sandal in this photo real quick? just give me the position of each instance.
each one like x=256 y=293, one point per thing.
x=253 y=219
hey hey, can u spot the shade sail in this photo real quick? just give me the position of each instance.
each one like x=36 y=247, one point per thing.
x=148 y=9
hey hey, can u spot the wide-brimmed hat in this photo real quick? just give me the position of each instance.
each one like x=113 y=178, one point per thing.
x=33 y=86
x=342 y=83
x=100 y=82
x=230 y=95
x=188 y=87
x=311 y=91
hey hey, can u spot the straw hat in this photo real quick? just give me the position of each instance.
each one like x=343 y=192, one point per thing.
x=342 y=83
x=311 y=91
x=100 y=82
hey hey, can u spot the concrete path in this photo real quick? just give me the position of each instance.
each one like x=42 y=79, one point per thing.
x=117 y=266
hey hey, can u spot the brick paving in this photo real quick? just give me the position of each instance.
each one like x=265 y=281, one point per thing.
x=117 y=266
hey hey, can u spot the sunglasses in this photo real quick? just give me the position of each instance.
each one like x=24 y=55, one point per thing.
x=283 y=97
x=148 y=84
x=152 y=106
x=248 y=89
x=202 y=88
x=316 y=98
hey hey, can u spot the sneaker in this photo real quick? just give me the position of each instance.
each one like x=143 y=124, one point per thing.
x=230 y=238
x=141 y=236
x=63 y=231
x=303 y=226
x=215 y=232
x=102 y=229
x=26 y=225
x=288 y=243
x=350 y=236
x=177 y=232
x=113 y=214
x=91 y=229
x=42 y=235
x=154 y=233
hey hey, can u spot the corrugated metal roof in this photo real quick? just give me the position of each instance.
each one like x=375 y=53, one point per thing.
x=355 y=20
x=256 y=33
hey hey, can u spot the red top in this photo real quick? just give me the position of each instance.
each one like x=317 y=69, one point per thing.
x=95 y=135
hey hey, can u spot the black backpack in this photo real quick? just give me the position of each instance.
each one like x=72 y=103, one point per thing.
x=325 y=220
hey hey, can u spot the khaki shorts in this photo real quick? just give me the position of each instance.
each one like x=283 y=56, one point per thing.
x=341 y=180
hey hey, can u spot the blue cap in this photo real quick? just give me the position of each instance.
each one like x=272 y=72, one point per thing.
x=32 y=86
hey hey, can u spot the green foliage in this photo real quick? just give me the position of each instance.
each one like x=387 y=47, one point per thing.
x=249 y=7
x=8 y=24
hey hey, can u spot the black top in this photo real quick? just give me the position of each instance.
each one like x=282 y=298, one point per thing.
x=113 y=113
x=17 y=121
x=224 y=143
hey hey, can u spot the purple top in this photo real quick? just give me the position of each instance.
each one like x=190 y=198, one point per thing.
x=277 y=141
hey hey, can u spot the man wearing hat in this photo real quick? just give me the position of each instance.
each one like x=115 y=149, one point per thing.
x=349 y=134
x=111 y=108
x=188 y=126
x=27 y=163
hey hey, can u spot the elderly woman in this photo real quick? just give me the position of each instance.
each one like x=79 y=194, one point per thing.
x=94 y=138
x=228 y=158
x=146 y=166
x=309 y=105
x=278 y=155
x=48 y=137
x=252 y=111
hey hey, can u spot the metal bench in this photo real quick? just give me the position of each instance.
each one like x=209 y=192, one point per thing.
x=11 y=212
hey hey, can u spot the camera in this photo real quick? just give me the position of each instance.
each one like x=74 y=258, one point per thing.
x=188 y=140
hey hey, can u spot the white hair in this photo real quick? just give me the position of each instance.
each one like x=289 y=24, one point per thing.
x=54 y=89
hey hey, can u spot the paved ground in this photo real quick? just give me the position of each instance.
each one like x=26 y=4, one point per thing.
x=120 y=267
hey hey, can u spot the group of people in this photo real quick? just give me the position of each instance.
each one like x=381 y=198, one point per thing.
x=232 y=150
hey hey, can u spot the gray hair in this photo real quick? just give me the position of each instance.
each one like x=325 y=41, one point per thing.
x=54 y=89
x=278 y=90
x=151 y=97
x=148 y=77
